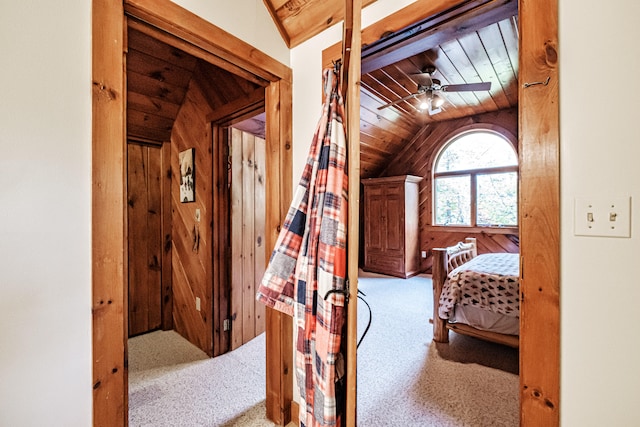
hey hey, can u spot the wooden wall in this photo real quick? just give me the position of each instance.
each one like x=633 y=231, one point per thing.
x=248 y=250
x=192 y=266
x=149 y=227
x=417 y=159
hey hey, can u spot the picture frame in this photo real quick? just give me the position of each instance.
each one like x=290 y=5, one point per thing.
x=187 y=176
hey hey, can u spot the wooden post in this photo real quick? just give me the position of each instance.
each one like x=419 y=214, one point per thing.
x=440 y=331
x=351 y=56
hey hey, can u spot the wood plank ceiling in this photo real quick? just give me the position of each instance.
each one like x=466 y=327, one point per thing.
x=158 y=77
x=478 y=45
x=299 y=20
x=475 y=41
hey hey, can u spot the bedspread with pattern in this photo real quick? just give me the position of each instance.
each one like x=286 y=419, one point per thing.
x=488 y=281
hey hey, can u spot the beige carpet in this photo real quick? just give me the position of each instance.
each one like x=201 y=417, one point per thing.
x=173 y=383
x=404 y=379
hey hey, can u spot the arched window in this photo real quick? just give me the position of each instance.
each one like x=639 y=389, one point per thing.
x=475 y=181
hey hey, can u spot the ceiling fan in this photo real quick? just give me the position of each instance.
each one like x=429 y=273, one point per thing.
x=432 y=88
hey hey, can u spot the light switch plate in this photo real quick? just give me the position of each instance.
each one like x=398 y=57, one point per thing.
x=602 y=216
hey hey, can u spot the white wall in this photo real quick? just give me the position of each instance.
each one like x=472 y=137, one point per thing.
x=600 y=150
x=45 y=200
x=248 y=20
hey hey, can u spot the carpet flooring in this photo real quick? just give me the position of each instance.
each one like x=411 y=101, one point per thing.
x=404 y=379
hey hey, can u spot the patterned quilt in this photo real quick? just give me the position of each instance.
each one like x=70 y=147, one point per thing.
x=488 y=281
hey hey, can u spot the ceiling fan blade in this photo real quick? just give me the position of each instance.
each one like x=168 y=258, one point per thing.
x=405 y=98
x=467 y=87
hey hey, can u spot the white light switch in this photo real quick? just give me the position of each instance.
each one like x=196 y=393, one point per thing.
x=603 y=217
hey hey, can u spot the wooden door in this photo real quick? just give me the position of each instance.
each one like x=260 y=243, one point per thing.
x=144 y=207
x=248 y=254
x=374 y=222
x=394 y=224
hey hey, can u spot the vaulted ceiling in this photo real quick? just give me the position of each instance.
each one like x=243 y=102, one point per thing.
x=475 y=41
x=299 y=20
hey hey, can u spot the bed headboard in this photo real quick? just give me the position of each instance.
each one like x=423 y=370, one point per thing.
x=460 y=253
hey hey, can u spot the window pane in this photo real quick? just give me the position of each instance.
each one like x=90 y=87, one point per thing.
x=476 y=150
x=497 y=198
x=453 y=200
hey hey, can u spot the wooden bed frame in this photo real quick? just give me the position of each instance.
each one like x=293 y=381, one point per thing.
x=445 y=260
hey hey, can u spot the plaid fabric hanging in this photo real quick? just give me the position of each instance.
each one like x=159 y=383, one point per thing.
x=309 y=261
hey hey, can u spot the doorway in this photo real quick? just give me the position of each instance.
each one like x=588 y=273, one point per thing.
x=206 y=42
x=248 y=252
x=539 y=192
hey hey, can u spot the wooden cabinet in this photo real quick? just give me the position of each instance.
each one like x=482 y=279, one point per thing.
x=391 y=229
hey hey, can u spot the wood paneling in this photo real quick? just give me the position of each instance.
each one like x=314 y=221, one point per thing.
x=167 y=293
x=467 y=42
x=157 y=79
x=539 y=216
x=417 y=158
x=145 y=240
x=192 y=263
x=248 y=254
x=158 y=75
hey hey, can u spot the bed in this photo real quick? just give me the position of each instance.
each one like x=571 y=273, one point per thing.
x=476 y=295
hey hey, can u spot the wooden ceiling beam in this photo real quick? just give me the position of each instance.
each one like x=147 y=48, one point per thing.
x=462 y=19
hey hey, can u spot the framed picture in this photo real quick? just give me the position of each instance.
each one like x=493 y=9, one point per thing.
x=187 y=176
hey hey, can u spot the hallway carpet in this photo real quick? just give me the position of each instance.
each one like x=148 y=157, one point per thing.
x=404 y=379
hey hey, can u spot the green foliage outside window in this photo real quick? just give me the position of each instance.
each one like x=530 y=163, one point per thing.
x=480 y=166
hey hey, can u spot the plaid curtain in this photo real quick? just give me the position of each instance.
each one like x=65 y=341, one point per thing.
x=308 y=265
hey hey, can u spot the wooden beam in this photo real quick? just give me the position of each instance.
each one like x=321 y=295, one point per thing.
x=433 y=31
x=415 y=12
x=539 y=215
x=352 y=41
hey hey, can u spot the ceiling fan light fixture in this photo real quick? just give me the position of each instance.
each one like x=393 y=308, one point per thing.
x=437 y=101
x=424 y=105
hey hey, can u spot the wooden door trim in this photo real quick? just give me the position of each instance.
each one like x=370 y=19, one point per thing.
x=539 y=210
x=539 y=153
x=351 y=75
x=109 y=328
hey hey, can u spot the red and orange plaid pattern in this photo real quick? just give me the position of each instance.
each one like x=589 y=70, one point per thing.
x=309 y=261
